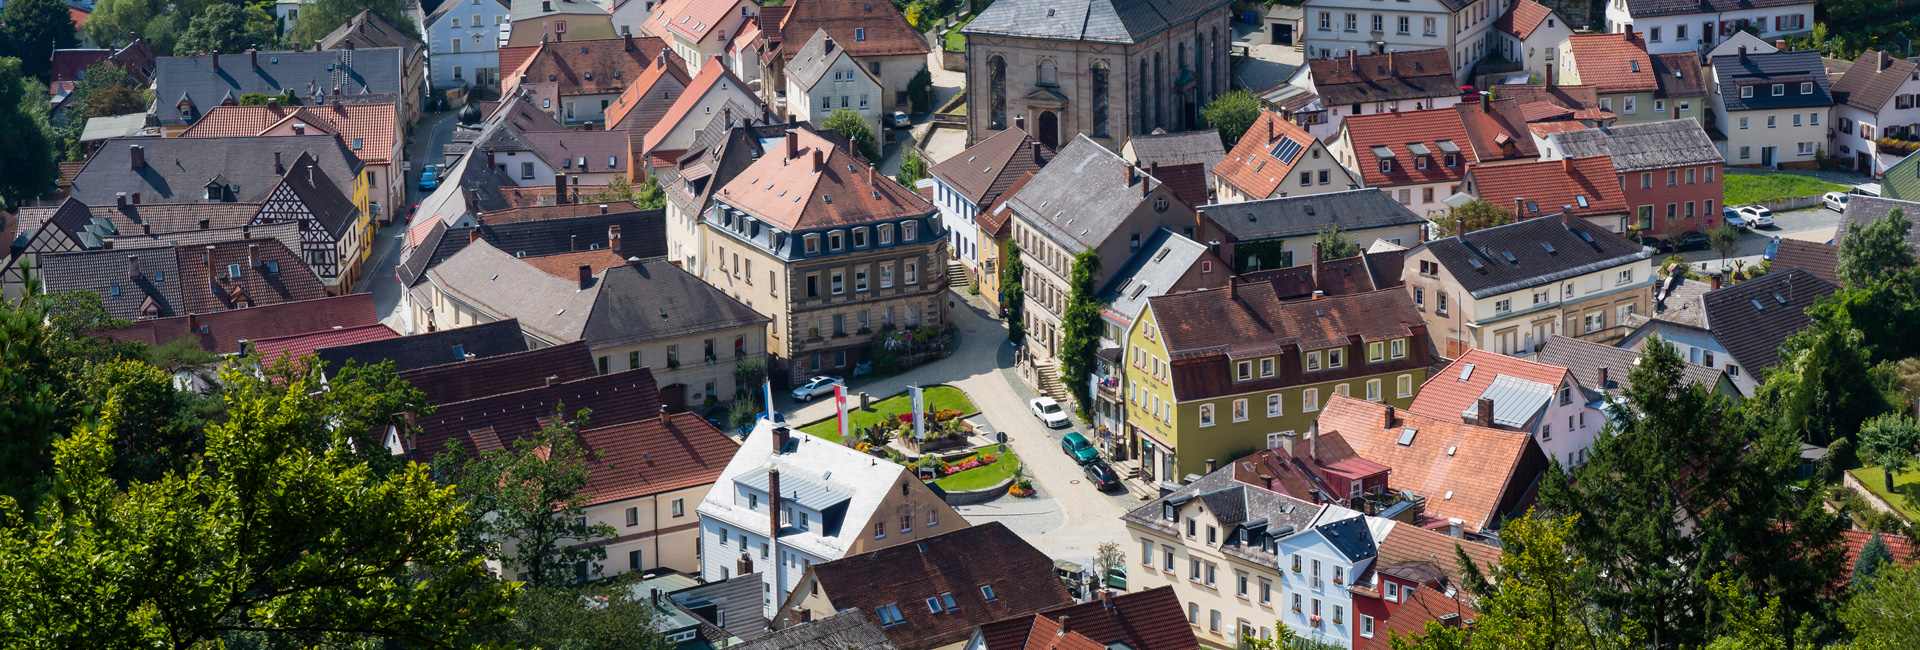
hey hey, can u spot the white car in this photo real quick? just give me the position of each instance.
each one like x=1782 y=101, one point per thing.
x=1836 y=201
x=815 y=387
x=1756 y=215
x=1049 y=412
x=899 y=120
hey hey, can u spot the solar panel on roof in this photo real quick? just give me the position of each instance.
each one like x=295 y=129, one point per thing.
x=1287 y=149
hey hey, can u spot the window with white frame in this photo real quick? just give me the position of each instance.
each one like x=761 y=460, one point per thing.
x=1273 y=405
x=1310 y=399
x=1403 y=385
x=1206 y=415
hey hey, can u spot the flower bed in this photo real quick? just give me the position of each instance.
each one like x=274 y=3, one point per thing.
x=984 y=469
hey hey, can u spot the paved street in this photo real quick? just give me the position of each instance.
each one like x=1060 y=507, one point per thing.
x=433 y=133
x=1811 y=224
x=1068 y=518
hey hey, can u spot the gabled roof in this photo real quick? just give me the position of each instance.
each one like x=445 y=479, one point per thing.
x=1162 y=261
x=558 y=8
x=305 y=73
x=650 y=456
x=868 y=480
x=887 y=31
x=1615 y=62
x=1239 y=507
x=846 y=630
x=1424 y=605
x=434 y=348
x=1646 y=8
x=985 y=170
x=1296 y=216
x=370 y=126
x=589 y=67
x=502 y=286
x=657 y=300
x=1539 y=103
x=643 y=234
x=1901 y=548
x=222 y=332
x=1166 y=149
x=448 y=7
x=137 y=57
x=822 y=186
x=275 y=275
x=1409 y=550
x=1477 y=132
x=1763 y=70
x=1753 y=318
x=1680 y=75
x=508 y=372
x=1585 y=359
x=815 y=57
x=1188 y=181
x=1542 y=189
x=495 y=421
x=1455 y=390
x=583 y=152
x=1251 y=319
x=1265 y=155
x=1464 y=471
x=1873 y=80
x=1820 y=259
x=1141 y=620
x=1522 y=18
x=295 y=346
x=173 y=280
x=959 y=563
x=1366 y=272
x=1354 y=79
x=1098 y=21
x=720 y=154
x=330 y=205
x=1643 y=146
x=1083 y=194
x=1478 y=262
x=994 y=219
x=694 y=20
x=712 y=75
x=367 y=30
x=177 y=169
x=650 y=96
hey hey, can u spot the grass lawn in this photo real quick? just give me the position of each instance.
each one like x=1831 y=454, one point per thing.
x=954 y=40
x=982 y=477
x=1904 y=484
x=937 y=398
x=1742 y=189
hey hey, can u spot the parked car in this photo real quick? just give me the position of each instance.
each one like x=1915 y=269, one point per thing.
x=1773 y=246
x=1836 y=201
x=1756 y=215
x=815 y=387
x=412 y=211
x=1076 y=447
x=778 y=418
x=1049 y=412
x=899 y=120
x=1101 y=475
x=427 y=179
x=1659 y=246
x=1693 y=241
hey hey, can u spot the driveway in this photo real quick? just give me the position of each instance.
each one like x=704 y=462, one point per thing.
x=432 y=135
x=1811 y=224
x=1068 y=519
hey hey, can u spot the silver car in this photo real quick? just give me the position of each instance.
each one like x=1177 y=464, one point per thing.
x=815 y=387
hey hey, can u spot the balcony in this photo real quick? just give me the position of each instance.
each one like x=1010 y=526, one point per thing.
x=1109 y=386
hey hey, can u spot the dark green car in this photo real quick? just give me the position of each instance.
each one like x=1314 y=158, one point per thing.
x=1076 y=446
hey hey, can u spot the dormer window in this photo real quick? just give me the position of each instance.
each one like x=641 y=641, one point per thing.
x=886 y=235
x=1746 y=92
x=1779 y=90
x=1386 y=165
x=1806 y=87
x=1171 y=513
x=909 y=231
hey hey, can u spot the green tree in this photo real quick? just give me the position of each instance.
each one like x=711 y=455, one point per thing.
x=1891 y=440
x=612 y=616
x=1753 y=621
x=1874 y=554
x=854 y=127
x=1876 y=251
x=1478 y=214
x=913 y=167
x=1826 y=385
x=1723 y=238
x=161 y=22
x=1881 y=617
x=30 y=30
x=1232 y=114
x=31 y=382
x=321 y=18
x=1080 y=329
x=920 y=91
x=1334 y=245
x=1013 y=296
x=528 y=498
x=227 y=28
x=161 y=428
x=1538 y=597
x=27 y=152
x=649 y=196
x=276 y=531
x=104 y=89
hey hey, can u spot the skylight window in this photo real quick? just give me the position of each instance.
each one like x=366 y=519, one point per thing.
x=1406 y=436
x=1757 y=305
x=1466 y=373
x=1580 y=199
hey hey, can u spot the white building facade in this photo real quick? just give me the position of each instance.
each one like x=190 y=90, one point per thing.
x=1701 y=26
x=463 y=47
x=1464 y=28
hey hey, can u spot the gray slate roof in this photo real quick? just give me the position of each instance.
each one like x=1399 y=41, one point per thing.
x=1102 y=21
x=378 y=70
x=1082 y=184
x=643 y=234
x=1864 y=210
x=1202 y=146
x=656 y=300
x=1643 y=146
x=1270 y=511
x=1579 y=247
x=813 y=59
x=848 y=630
x=1295 y=216
x=1753 y=333
x=178 y=169
x=1161 y=262
x=1585 y=359
x=1767 y=68
x=432 y=348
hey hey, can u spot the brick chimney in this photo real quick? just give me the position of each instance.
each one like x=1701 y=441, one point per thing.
x=1520 y=207
x=586 y=276
x=1316 y=266
x=120 y=200
x=780 y=436
x=1566 y=215
x=216 y=60
x=664 y=417
x=1485 y=417
x=136 y=198
x=277 y=167
x=213 y=282
x=773 y=502
x=613 y=233
x=793 y=146
x=1066 y=622
x=1233 y=290
x=819 y=160
x=1210 y=465
x=1743 y=55
x=138 y=154
x=253 y=57
x=1713 y=283
x=559 y=188
x=1459 y=227
x=627 y=42
x=1037 y=162
x=573 y=243
x=1603 y=379
x=745 y=565
x=1388 y=421
x=603 y=208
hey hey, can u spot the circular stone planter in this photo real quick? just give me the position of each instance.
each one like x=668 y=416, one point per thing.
x=977 y=497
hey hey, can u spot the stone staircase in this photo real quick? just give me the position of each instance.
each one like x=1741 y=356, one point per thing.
x=1048 y=379
x=957 y=276
x=1129 y=471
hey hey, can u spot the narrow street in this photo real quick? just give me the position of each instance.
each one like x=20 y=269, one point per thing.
x=430 y=136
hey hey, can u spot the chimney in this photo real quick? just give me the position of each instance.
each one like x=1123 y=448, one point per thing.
x=1453 y=527
x=213 y=282
x=1233 y=290
x=613 y=233
x=1210 y=465
x=253 y=57
x=136 y=198
x=1353 y=63
x=490 y=164
x=745 y=565
x=277 y=167
x=828 y=45
x=1743 y=55
x=773 y=502
x=1129 y=174
x=793 y=146
x=573 y=243
x=204 y=223
x=139 y=156
x=559 y=188
x=1153 y=169
x=1066 y=624
x=1520 y=207
x=193 y=323
x=586 y=276
x=120 y=200
x=1286 y=442
x=627 y=41
x=603 y=209
x=663 y=415
x=1459 y=227
x=1106 y=598
x=146 y=228
x=216 y=60
x=1423 y=234
x=1485 y=418
x=1603 y=379
x=553 y=380
x=1714 y=283
x=253 y=255
x=133 y=267
x=473 y=235
x=1313 y=440
x=1020 y=122
x=1387 y=421
x=1486 y=102
x=780 y=436
x=1144 y=187
x=246 y=232
x=1885 y=59
x=819 y=160
x=1316 y=267
x=1566 y=215
x=1566 y=164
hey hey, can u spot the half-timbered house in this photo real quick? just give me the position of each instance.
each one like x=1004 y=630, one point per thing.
x=328 y=241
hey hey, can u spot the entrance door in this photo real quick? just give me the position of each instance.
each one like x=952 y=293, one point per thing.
x=1049 y=129
x=1147 y=460
x=1766 y=156
x=1863 y=163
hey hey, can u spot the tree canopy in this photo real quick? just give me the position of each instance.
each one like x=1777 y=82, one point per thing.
x=227 y=28
x=321 y=18
x=1479 y=214
x=854 y=127
x=1080 y=329
x=1232 y=114
x=26 y=153
x=30 y=30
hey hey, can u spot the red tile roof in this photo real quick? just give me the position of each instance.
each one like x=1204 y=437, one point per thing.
x=566 y=266
x=1251 y=318
x=1464 y=471
x=957 y=562
x=1902 y=548
x=1544 y=129
x=257 y=285
x=1409 y=621
x=650 y=96
x=1395 y=131
x=1143 y=620
x=1251 y=167
x=1541 y=188
x=887 y=31
x=1445 y=396
x=372 y=125
x=1188 y=181
x=1522 y=18
x=1358 y=78
x=653 y=456
x=695 y=19
x=460 y=381
x=222 y=332
x=300 y=345
x=1492 y=126
x=1410 y=550
x=587 y=67
x=511 y=58
x=792 y=195
x=995 y=218
x=1613 y=63
x=710 y=74
x=1581 y=102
